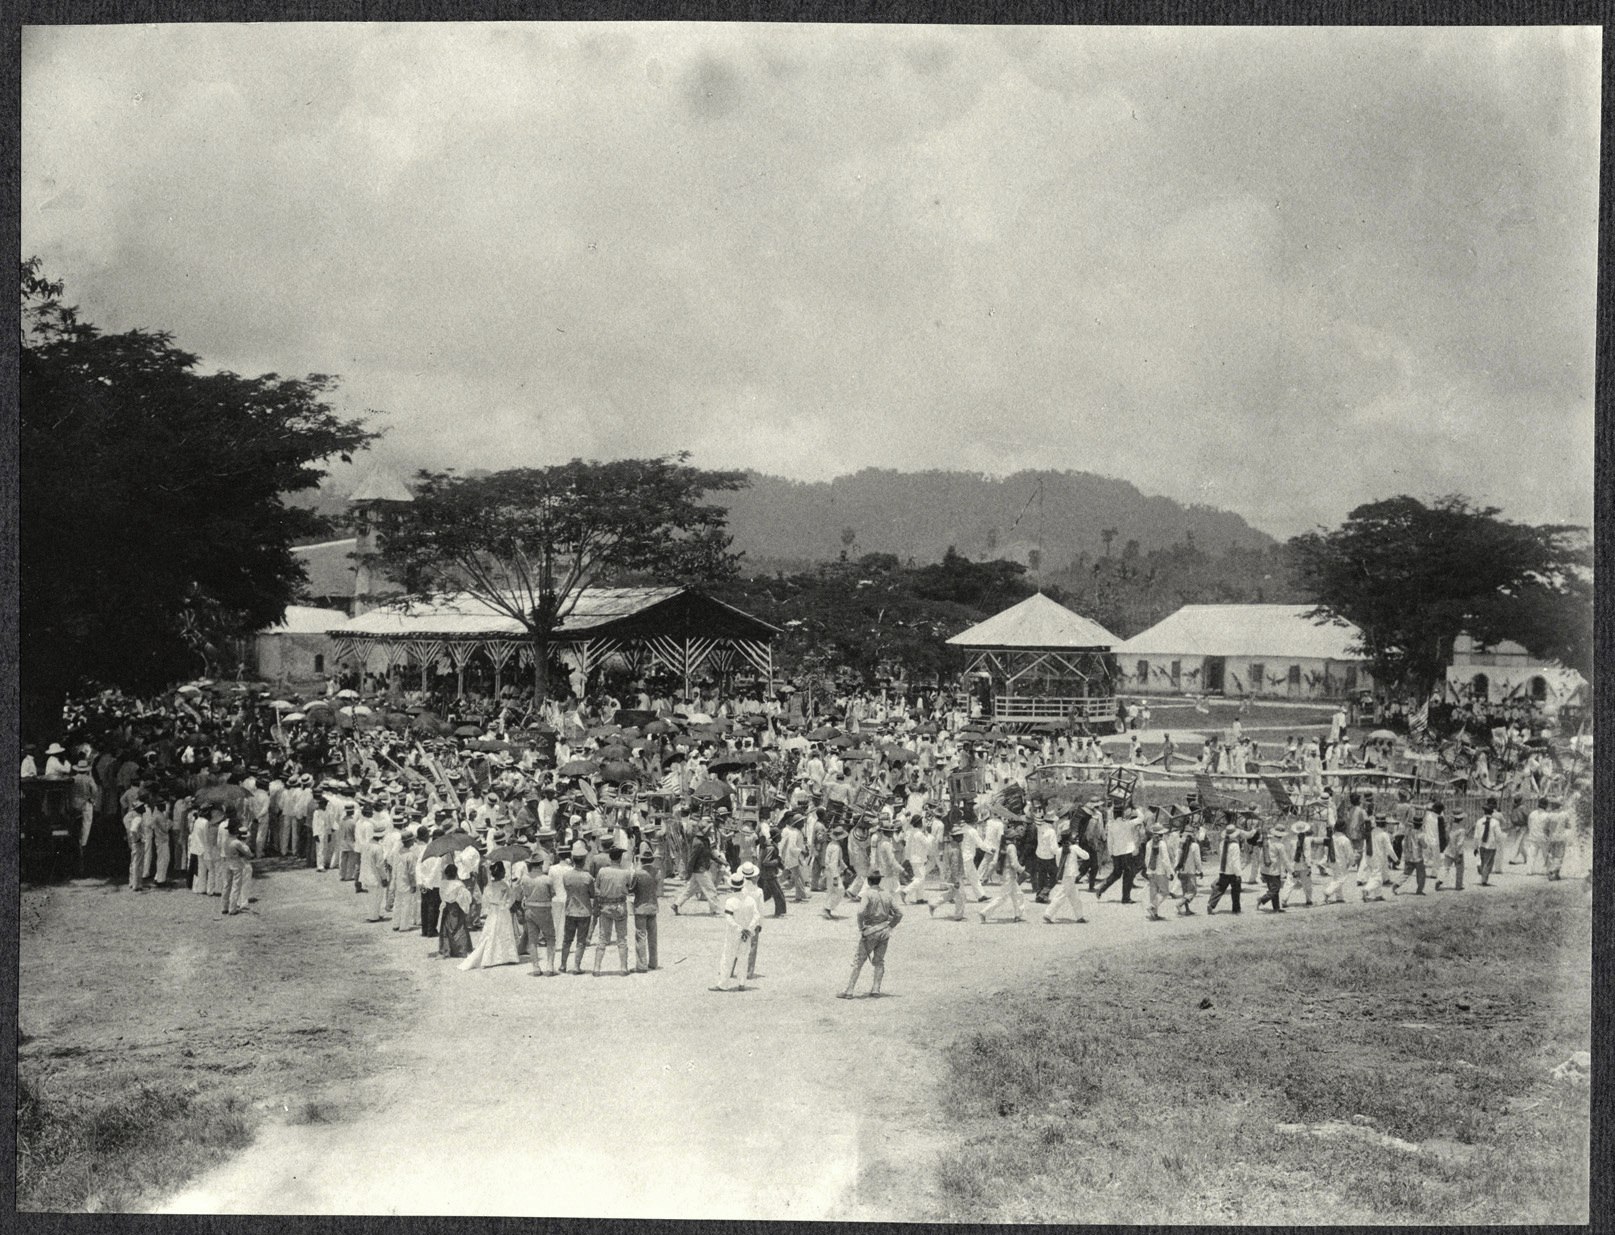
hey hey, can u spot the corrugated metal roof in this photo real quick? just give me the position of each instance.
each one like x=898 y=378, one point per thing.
x=465 y=615
x=306 y=620
x=330 y=567
x=1280 y=631
x=1037 y=622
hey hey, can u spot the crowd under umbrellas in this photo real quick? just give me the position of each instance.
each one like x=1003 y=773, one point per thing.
x=538 y=839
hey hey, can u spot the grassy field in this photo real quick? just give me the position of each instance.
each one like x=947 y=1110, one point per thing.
x=1398 y=1073
x=156 y=1036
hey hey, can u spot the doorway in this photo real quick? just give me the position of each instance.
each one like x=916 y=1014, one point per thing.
x=1216 y=668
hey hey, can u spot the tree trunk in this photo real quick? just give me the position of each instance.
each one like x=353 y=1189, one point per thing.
x=541 y=671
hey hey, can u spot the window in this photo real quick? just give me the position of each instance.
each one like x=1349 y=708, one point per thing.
x=319 y=662
x=1143 y=672
x=1479 y=687
x=1177 y=672
x=1295 y=677
x=1258 y=677
x=1539 y=689
x=1351 y=678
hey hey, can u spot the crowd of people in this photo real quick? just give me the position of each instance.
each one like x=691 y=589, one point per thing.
x=542 y=842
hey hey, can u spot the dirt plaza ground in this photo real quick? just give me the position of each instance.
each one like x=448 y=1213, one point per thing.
x=349 y=1061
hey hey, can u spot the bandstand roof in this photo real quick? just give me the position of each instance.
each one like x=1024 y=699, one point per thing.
x=1037 y=623
x=600 y=613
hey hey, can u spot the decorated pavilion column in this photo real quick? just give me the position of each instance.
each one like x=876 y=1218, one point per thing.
x=460 y=652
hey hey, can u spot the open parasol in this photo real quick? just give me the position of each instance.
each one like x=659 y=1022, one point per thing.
x=509 y=853
x=617 y=771
x=732 y=761
x=823 y=733
x=711 y=790
x=451 y=844
x=578 y=767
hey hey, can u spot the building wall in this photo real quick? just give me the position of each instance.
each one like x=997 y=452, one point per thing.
x=1281 y=677
x=294 y=658
x=1484 y=682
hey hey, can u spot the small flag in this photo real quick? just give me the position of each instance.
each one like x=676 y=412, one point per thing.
x=1420 y=720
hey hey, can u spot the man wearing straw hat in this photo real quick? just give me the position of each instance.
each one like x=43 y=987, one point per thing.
x=646 y=890
x=834 y=892
x=372 y=872
x=1274 y=861
x=742 y=917
x=1299 y=844
x=611 y=890
x=699 y=881
x=953 y=867
x=1065 y=895
x=1157 y=868
x=578 y=885
x=878 y=917
x=1230 y=864
x=1488 y=835
x=1186 y=860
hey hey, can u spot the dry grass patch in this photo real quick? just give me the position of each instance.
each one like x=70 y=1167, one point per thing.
x=1357 y=1068
x=159 y=1035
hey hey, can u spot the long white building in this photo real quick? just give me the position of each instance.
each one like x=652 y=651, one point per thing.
x=1261 y=651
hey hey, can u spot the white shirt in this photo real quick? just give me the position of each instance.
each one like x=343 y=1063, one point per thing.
x=1120 y=835
x=994 y=834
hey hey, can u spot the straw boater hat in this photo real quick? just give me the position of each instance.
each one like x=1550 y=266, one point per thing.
x=55 y=748
x=1231 y=830
x=748 y=870
x=737 y=880
x=1301 y=827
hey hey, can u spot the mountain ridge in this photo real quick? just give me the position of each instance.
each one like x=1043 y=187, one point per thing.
x=779 y=522
x=921 y=514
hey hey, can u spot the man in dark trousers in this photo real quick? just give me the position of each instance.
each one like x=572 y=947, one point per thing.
x=700 y=872
x=1122 y=837
x=770 y=863
x=1230 y=861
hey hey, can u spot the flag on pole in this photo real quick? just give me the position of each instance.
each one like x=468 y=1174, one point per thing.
x=1419 y=721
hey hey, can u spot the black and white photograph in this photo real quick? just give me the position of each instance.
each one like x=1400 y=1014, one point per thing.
x=912 y=545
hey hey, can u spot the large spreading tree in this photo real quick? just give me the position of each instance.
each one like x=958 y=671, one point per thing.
x=528 y=542
x=152 y=530
x=1412 y=577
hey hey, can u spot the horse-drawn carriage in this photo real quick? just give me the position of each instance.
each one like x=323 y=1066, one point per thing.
x=48 y=827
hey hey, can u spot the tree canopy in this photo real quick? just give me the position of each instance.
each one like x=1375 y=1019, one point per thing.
x=529 y=541
x=152 y=526
x=875 y=618
x=1413 y=577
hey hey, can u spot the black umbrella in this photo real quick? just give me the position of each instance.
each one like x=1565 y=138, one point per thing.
x=450 y=844
x=616 y=771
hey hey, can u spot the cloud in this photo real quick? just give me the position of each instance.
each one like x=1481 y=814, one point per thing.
x=1280 y=270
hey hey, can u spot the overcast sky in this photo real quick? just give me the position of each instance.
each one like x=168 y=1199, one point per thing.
x=1280 y=271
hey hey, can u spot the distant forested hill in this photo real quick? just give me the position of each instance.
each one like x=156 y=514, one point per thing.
x=920 y=514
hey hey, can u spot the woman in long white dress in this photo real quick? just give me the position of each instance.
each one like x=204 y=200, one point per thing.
x=498 y=943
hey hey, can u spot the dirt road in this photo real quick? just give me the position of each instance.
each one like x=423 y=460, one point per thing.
x=653 y=1096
